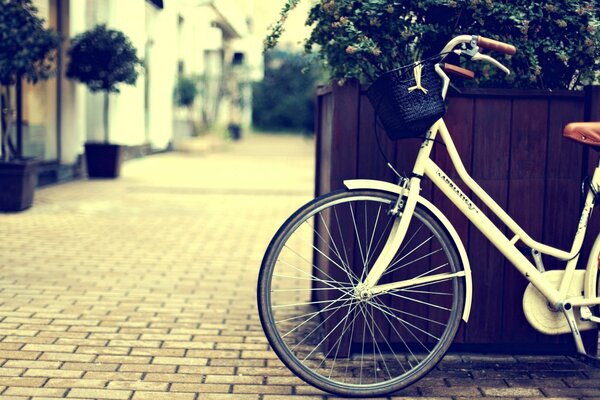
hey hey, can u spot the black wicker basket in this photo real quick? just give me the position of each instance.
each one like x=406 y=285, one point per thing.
x=407 y=113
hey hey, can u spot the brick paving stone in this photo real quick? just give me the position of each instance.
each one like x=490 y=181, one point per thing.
x=75 y=383
x=143 y=395
x=200 y=388
x=286 y=397
x=577 y=392
x=147 y=368
x=78 y=366
x=511 y=392
x=450 y=391
x=554 y=383
x=28 y=391
x=138 y=385
x=100 y=394
x=113 y=376
x=12 y=371
x=469 y=382
x=262 y=389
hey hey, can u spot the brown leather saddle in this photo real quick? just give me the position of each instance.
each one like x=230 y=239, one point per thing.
x=584 y=132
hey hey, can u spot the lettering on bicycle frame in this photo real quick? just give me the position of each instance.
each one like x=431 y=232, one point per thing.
x=585 y=217
x=457 y=190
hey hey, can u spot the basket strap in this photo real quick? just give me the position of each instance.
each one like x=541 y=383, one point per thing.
x=417 y=71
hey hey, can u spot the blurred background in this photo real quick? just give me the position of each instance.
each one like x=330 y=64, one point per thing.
x=204 y=73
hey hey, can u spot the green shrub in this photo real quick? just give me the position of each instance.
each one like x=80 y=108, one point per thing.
x=284 y=100
x=185 y=91
x=558 y=41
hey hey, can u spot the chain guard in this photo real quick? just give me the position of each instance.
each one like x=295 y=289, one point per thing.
x=547 y=320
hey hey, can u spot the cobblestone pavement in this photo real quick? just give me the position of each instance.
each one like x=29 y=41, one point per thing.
x=144 y=288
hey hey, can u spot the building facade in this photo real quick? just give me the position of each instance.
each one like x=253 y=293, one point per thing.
x=209 y=41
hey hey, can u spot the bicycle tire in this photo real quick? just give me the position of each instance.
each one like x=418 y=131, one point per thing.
x=412 y=343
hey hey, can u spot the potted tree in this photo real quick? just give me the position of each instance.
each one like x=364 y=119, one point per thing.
x=185 y=96
x=27 y=51
x=103 y=58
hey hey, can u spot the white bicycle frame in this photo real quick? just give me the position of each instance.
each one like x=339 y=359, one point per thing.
x=425 y=166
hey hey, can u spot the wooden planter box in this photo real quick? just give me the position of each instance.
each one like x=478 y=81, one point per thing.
x=511 y=142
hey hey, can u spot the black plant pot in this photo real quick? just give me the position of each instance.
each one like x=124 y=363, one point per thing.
x=103 y=160
x=18 y=180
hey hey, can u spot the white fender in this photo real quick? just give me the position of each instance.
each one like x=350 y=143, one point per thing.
x=357 y=184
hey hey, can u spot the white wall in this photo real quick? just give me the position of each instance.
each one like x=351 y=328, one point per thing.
x=162 y=61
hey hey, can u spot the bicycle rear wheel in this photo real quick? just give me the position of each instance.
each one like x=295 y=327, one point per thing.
x=326 y=333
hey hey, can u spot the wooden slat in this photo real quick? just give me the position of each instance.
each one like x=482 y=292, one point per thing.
x=529 y=136
x=459 y=120
x=563 y=179
x=324 y=155
x=345 y=133
x=371 y=164
x=491 y=155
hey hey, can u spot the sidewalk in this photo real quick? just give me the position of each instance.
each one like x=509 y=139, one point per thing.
x=144 y=288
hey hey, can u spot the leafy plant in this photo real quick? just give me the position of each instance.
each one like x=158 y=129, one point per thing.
x=186 y=91
x=27 y=51
x=102 y=59
x=558 y=41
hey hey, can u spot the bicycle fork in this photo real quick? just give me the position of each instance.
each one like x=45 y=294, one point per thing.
x=403 y=215
x=403 y=211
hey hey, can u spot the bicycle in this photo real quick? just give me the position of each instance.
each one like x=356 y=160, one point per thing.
x=343 y=324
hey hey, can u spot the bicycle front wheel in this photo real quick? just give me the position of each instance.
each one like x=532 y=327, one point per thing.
x=329 y=333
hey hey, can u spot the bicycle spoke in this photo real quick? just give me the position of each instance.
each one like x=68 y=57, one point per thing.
x=308 y=289
x=337 y=343
x=326 y=337
x=324 y=255
x=426 y=273
x=394 y=260
x=413 y=315
x=420 y=301
x=307 y=303
x=347 y=269
x=411 y=262
x=304 y=279
x=382 y=235
x=317 y=279
x=377 y=346
x=342 y=238
x=314 y=329
x=424 y=292
x=412 y=251
x=307 y=314
x=362 y=256
x=404 y=323
x=401 y=338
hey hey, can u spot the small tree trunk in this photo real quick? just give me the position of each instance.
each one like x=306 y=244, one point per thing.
x=6 y=115
x=193 y=125
x=106 y=117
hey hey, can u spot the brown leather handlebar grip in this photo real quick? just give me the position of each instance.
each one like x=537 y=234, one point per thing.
x=458 y=71
x=495 y=45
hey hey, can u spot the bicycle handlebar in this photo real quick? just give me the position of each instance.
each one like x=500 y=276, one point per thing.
x=496 y=45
